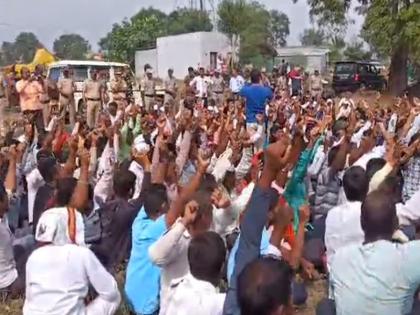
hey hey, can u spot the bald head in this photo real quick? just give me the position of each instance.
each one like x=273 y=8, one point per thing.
x=379 y=216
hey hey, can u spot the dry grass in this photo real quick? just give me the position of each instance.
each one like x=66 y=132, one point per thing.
x=316 y=291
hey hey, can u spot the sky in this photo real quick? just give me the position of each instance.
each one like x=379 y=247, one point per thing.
x=92 y=19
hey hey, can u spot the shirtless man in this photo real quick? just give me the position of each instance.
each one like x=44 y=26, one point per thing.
x=66 y=89
x=92 y=97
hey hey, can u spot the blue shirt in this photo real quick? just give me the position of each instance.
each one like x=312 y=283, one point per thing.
x=375 y=278
x=264 y=250
x=142 y=283
x=256 y=97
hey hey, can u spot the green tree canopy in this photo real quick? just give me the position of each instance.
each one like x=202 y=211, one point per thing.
x=355 y=51
x=258 y=30
x=22 y=50
x=142 y=30
x=71 y=46
x=279 y=28
x=188 y=20
x=313 y=37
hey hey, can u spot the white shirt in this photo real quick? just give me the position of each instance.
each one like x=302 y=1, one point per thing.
x=236 y=83
x=189 y=296
x=170 y=253
x=376 y=152
x=34 y=181
x=201 y=85
x=8 y=272
x=342 y=227
x=58 y=278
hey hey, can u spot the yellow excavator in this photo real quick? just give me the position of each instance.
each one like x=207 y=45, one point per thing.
x=42 y=57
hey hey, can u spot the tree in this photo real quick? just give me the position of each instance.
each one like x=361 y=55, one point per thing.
x=71 y=46
x=355 y=51
x=336 y=44
x=250 y=24
x=187 y=21
x=391 y=27
x=22 y=50
x=140 y=32
x=313 y=37
x=279 y=28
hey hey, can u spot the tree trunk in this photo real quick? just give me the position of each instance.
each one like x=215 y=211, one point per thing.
x=397 y=82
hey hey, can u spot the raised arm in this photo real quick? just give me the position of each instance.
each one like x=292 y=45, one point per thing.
x=178 y=205
x=254 y=220
x=81 y=192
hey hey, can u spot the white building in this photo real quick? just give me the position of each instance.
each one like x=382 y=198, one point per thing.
x=311 y=58
x=182 y=51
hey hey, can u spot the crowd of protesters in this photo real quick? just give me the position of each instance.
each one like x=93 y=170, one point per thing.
x=225 y=196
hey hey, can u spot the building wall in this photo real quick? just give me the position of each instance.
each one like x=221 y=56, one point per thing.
x=178 y=52
x=145 y=56
x=213 y=42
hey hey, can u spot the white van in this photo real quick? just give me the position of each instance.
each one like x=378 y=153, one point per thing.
x=81 y=72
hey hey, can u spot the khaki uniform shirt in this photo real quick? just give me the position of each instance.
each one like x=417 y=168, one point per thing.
x=315 y=82
x=170 y=85
x=92 y=89
x=66 y=86
x=218 y=84
x=149 y=87
x=119 y=89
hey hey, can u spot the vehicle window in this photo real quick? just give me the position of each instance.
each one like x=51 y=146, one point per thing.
x=80 y=73
x=364 y=69
x=344 y=68
x=54 y=74
x=373 y=69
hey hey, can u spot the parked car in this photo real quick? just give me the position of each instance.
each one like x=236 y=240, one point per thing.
x=354 y=75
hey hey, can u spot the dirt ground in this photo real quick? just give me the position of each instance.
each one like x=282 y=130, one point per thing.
x=316 y=291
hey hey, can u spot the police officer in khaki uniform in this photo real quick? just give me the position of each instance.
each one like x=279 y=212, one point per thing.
x=218 y=87
x=315 y=85
x=171 y=87
x=66 y=88
x=3 y=103
x=149 y=89
x=119 y=89
x=92 y=97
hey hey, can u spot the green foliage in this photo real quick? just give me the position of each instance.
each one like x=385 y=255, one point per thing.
x=355 y=51
x=22 y=50
x=313 y=37
x=141 y=31
x=260 y=31
x=186 y=21
x=386 y=27
x=279 y=28
x=71 y=46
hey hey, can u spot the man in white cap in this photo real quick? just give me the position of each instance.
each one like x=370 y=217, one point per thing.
x=171 y=87
x=59 y=272
x=149 y=88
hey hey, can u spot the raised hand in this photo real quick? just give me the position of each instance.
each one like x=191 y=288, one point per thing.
x=219 y=199
x=84 y=157
x=202 y=163
x=190 y=213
